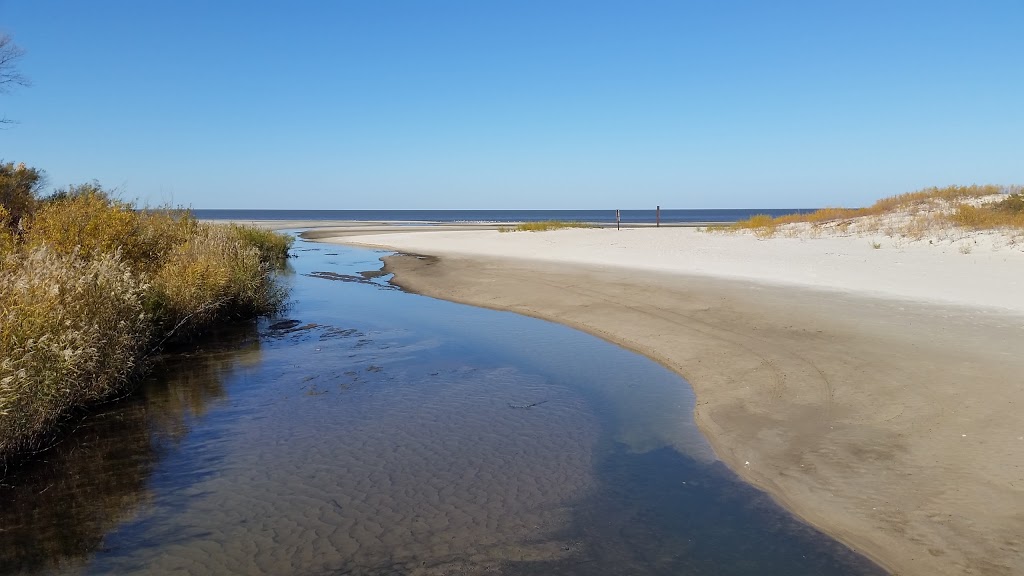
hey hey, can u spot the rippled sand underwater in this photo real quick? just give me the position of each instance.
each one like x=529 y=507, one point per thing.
x=395 y=468
x=385 y=433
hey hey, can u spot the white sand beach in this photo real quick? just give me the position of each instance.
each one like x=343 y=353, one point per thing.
x=874 y=391
x=990 y=275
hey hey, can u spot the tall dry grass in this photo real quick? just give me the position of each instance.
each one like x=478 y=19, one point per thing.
x=212 y=275
x=73 y=332
x=949 y=194
x=762 y=225
x=273 y=247
x=87 y=221
x=1007 y=213
x=923 y=211
x=89 y=285
x=8 y=241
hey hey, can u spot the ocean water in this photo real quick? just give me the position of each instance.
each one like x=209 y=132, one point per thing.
x=668 y=216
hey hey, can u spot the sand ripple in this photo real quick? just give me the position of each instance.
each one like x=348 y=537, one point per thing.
x=368 y=466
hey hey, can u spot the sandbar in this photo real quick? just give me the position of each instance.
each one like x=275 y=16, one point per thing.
x=875 y=392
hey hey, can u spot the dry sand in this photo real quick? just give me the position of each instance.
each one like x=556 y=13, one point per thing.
x=874 y=392
x=347 y=227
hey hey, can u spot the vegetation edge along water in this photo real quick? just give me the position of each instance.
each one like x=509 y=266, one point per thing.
x=91 y=287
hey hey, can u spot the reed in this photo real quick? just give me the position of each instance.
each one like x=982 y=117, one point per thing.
x=8 y=241
x=73 y=332
x=89 y=286
x=210 y=276
x=273 y=247
x=86 y=220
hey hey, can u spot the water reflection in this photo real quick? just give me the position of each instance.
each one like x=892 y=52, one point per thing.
x=56 y=509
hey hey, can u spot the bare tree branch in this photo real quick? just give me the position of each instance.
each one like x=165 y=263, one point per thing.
x=9 y=55
x=10 y=77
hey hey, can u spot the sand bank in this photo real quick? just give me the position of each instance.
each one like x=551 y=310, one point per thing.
x=892 y=423
x=349 y=227
x=989 y=276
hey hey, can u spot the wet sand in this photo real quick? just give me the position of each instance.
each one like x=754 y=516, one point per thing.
x=893 y=426
x=352 y=227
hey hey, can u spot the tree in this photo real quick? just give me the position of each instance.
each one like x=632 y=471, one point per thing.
x=19 y=188
x=10 y=77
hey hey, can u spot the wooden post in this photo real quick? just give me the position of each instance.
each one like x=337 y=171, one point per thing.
x=657 y=217
x=618 y=219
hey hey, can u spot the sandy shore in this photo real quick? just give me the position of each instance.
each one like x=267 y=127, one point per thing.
x=874 y=392
x=349 y=227
x=337 y=228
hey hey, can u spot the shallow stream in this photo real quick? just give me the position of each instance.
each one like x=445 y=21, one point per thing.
x=371 y=431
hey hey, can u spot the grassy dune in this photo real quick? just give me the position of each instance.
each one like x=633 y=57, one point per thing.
x=913 y=215
x=90 y=286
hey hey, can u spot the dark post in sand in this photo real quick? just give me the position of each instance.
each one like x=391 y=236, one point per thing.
x=657 y=217
x=617 y=219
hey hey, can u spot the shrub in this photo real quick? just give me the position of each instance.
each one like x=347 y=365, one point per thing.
x=969 y=216
x=19 y=186
x=1001 y=215
x=88 y=284
x=84 y=219
x=273 y=247
x=197 y=271
x=158 y=232
x=87 y=223
x=71 y=332
x=212 y=274
x=1012 y=204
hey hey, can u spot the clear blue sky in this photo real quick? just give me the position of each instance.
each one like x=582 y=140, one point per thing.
x=517 y=104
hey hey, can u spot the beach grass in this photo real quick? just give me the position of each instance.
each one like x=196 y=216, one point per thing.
x=912 y=215
x=762 y=225
x=547 y=225
x=90 y=287
x=1007 y=213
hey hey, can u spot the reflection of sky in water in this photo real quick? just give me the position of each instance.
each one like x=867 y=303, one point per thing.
x=386 y=432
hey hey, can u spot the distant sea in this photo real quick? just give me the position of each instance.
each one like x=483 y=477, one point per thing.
x=673 y=216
